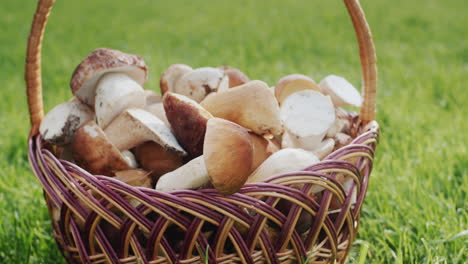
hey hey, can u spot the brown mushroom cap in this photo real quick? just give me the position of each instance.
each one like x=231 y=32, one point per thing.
x=157 y=160
x=99 y=62
x=228 y=153
x=188 y=121
x=262 y=148
x=93 y=152
x=251 y=105
x=236 y=77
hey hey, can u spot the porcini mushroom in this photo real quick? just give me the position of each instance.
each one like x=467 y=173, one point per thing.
x=100 y=62
x=92 y=151
x=236 y=77
x=116 y=92
x=157 y=160
x=228 y=153
x=324 y=148
x=307 y=115
x=135 y=126
x=129 y=158
x=171 y=75
x=157 y=109
x=341 y=140
x=251 y=105
x=294 y=83
x=341 y=91
x=197 y=84
x=60 y=123
x=283 y=161
x=262 y=149
x=188 y=121
x=192 y=175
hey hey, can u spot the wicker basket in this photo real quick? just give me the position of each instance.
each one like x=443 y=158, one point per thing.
x=104 y=227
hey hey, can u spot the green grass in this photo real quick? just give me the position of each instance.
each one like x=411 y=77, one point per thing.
x=416 y=207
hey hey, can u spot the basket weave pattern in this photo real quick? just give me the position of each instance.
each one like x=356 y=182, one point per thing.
x=97 y=219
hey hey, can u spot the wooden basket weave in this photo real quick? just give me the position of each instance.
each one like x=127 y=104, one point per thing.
x=95 y=219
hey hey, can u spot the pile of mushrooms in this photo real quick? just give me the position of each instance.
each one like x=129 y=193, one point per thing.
x=210 y=128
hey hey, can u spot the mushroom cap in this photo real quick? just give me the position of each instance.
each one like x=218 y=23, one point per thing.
x=262 y=148
x=93 y=152
x=135 y=126
x=99 y=62
x=228 y=153
x=197 y=84
x=60 y=123
x=236 y=76
x=157 y=160
x=188 y=121
x=251 y=105
x=171 y=75
x=293 y=83
x=342 y=92
x=116 y=92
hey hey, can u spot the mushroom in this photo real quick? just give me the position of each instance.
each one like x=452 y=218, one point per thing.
x=188 y=121
x=152 y=97
x=340 y=125
x=116 y=92
x=283 y=161
x=342 y=140
x=102 y=61
x=324 y=148
x=197 y=84
x=293 y=83
x=129 y=158
x=171 y=76
x=95 y=153
x=341 y=91
x=134 y=177
x=157 y=160
x=236 y=77
x=135 y=126
x=307 y=115
x=60 y=123
x=262 y=149
x=157 y=109
x=228 y=153
x=251 y=105
x=192 y=175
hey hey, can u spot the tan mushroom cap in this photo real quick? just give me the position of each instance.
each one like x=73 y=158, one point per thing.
x=188 y=121
x=236 y=76
x=99 y=62
x=262 y=148
x=171 y=75
x=293 y=83
x=93 y=152
x=251 y=105
x=228 y=153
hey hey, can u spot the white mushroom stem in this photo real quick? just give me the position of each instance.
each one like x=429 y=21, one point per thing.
x=197 y=84
x=341 y=91
x=116 y=92
x=60 y=124
x=340 y=125
x=283 y=161
x=307 y=115
x=130 y=159
x=192 y=175
x=152 y=97
x=324 y=148
x=135 y=126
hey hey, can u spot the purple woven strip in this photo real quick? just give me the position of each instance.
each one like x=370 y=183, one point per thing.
x=79 y=243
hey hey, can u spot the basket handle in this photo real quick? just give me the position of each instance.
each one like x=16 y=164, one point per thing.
x=33 y=62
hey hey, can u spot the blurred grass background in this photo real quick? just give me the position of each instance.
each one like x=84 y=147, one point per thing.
x=416 y=208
